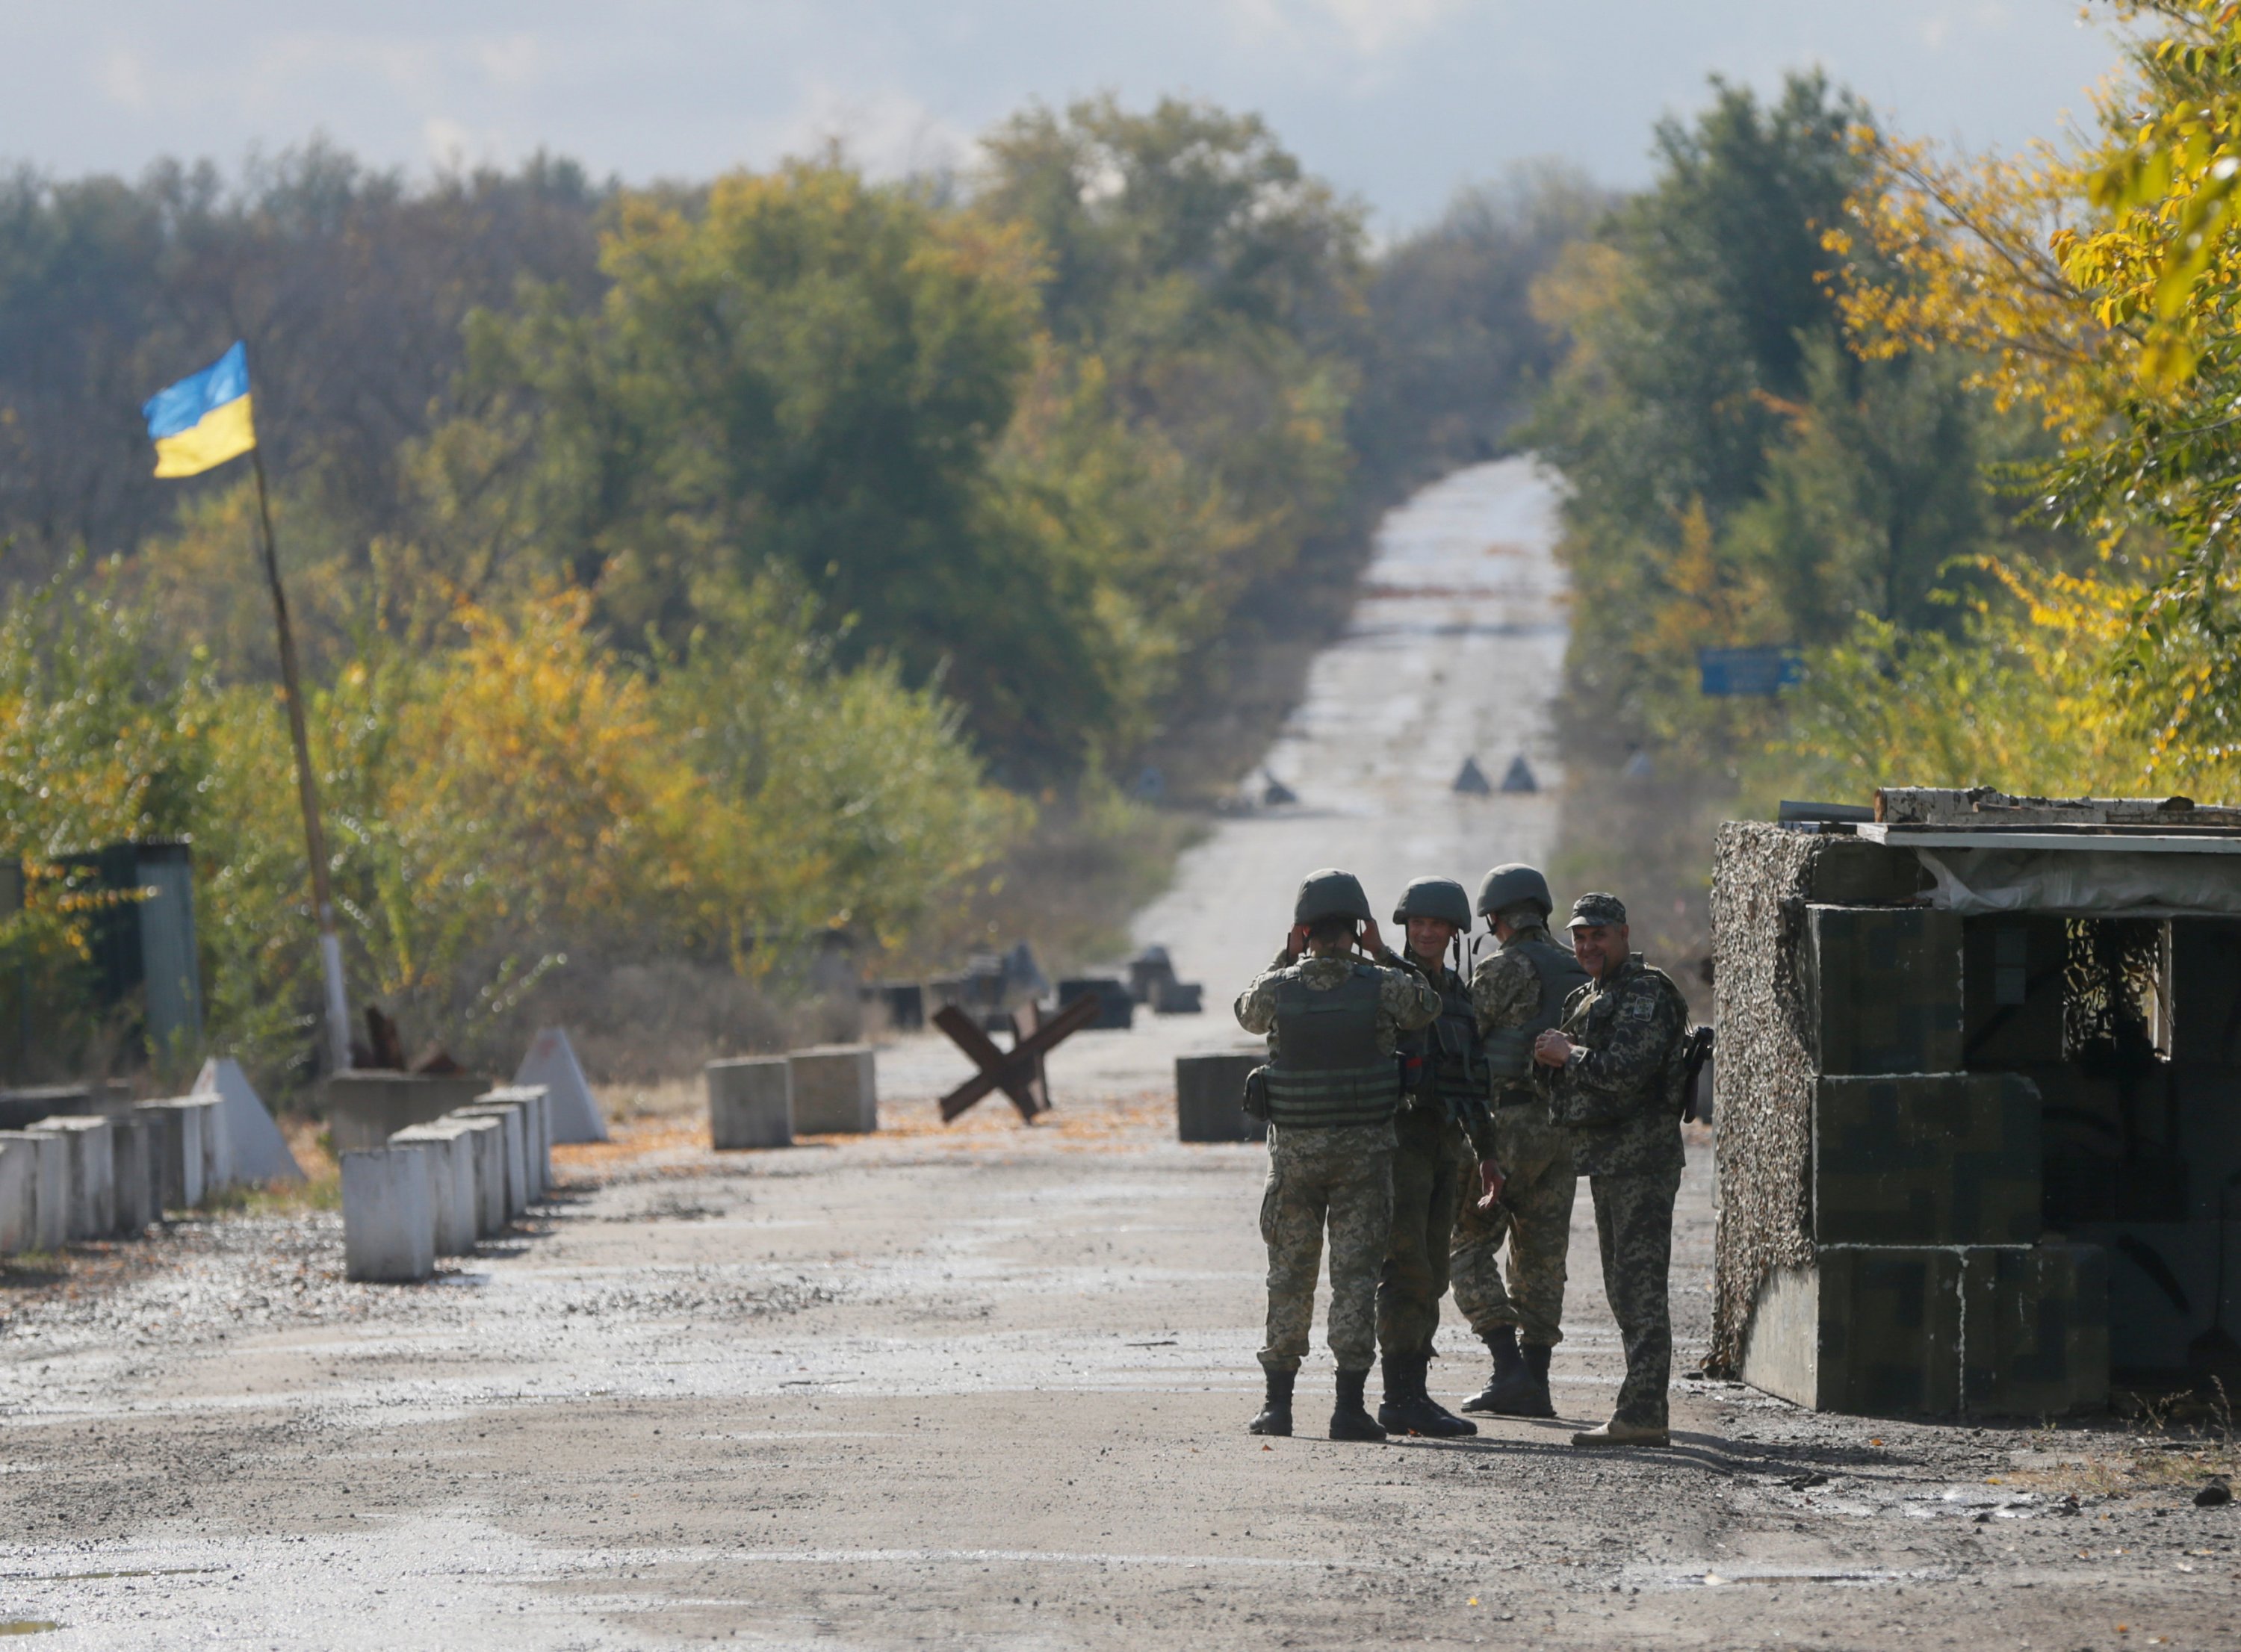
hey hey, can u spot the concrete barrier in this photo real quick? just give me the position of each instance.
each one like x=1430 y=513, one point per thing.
x=1209 y=1092
x=451 y=1160
x=486 y=1139
x=367 y=1107
x=389 y=1219
x=90 y=1176
x=255 y=1151
x=835 y=1090
x=551 y=1062
x=136 y=1143
x=48 y=1220
x=514 y=1118
x=180 y=1148
x=536 y=1102
x=751 y=1102
x=19 y=1193
x=218 y=1143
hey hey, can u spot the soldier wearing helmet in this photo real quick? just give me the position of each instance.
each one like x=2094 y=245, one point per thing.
x=1444 y=1088
x=1514 y=994
x=1608 y=1070
x=1330 y=1091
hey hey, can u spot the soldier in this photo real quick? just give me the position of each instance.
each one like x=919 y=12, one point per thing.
x=1442 y=1088
x=1515 y=994
x=1609 y=1072
x=1330 y=1091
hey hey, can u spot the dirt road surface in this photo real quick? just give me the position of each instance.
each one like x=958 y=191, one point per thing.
x=988 y=1387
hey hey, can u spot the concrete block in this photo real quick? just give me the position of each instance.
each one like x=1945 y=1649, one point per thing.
x=389 y=1218
x=50 y=1213
x=366 y=1108
x=1885 y=993
x=512 y=1116
x=536 y=1102
x=217 y=1143
x=137 y=1151
x=751 y=1102
x=19 y=1109
x=180 y=1149
x=1210 y=1096
x=450 y=1161
x=19 y=1193
x=1933 y=1158
x=89 y=1176
x=2035 y=1329
x=551 y=1062
x=835 y=1090
x=1116 y=1008
x=258 y=1150
x=486 y=1139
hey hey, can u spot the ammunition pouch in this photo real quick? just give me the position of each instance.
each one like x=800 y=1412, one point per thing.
x=1509 y=1055
x=1255 y=1099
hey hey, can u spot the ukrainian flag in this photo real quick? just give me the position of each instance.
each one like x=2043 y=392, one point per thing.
x=203 y=421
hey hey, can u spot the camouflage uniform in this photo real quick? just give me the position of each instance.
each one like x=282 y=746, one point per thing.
x=1426 y=1169
x=1612 y=1101
x=1336 y=1176
x=1535 y=1217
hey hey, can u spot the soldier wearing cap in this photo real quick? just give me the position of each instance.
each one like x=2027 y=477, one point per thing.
x=1443 y=1092
x=1608 y=1071
x=1517 y=993
x=1330 y=1091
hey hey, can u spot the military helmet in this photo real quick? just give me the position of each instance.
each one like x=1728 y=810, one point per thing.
x=1514 y=885
x=1331 y=893
x=1440 y=897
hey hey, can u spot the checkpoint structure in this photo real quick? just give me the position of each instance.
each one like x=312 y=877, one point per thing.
x=1978 y=1102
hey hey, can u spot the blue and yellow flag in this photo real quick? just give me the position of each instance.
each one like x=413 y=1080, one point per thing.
x=203 y=421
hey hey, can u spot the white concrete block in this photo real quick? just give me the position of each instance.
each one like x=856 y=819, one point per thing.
x=551 y=1062
x=835 y=1090
x=451 y=1159
x=19 y=1193
x=137 y=1151
x=751 y=1102
x=486 y=1139
x=181 y=1150
x=389 y=1218
x=46 y=1227
x=537 y=1122
x=90 y=1176
x=218 y=1144
x=260 y=1151
x=514 y=1117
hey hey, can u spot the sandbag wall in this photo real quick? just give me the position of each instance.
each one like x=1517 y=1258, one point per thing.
x=1879 y=1207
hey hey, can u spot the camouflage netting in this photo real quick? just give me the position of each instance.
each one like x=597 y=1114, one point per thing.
x=1763 y=1098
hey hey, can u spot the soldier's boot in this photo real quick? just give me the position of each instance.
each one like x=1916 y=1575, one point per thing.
x=1348 y=1419
x=1509 y=1392
x=1409 y=1407
x=1275 y=1416
x=1619 y=1432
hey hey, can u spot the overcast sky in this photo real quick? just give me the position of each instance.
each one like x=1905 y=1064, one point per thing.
x=1397 y=101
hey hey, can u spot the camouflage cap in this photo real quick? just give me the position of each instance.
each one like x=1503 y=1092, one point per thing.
x=1596 y=908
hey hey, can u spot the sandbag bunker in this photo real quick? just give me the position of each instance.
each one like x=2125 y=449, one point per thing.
x=1978 y=1100
x=90 y=1170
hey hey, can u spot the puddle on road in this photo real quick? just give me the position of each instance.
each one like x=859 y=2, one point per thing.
x=26 y=1626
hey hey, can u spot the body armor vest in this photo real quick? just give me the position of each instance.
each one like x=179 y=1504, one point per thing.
x=1327 y=1070
x=1448 y=1049
x=1509 y=1052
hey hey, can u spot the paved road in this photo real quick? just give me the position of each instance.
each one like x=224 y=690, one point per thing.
x=1451 y=656
x=988 y=1387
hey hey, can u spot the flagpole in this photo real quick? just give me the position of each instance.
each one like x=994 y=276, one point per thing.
x=315 y=837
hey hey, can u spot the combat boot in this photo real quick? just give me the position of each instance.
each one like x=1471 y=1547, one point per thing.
x=1275 y=1416
x=1519 y=1387
x=1619 y=1432
x=1348 y=1419
x=1409 y=1407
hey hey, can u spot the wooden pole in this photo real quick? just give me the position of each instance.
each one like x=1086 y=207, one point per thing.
x=307 y=789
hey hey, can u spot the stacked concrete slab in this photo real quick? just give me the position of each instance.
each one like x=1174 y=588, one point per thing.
x=1880 y=1207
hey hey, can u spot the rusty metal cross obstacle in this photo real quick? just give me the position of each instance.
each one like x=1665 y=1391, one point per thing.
x=1017 y=1072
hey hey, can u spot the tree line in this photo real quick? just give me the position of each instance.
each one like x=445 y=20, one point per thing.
x=689 y=568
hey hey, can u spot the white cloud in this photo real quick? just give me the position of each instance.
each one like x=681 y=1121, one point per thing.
x=1365 y=28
